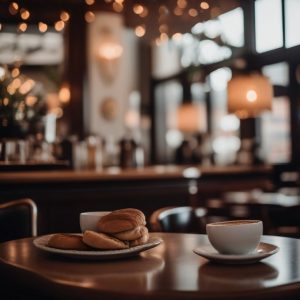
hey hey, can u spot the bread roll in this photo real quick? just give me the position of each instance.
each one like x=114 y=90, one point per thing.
x=142 y=240
x=102 y=241
x=67 y=242
x=121 y=220
x=130 y=235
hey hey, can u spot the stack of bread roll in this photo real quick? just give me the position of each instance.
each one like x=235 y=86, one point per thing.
x=119 y=229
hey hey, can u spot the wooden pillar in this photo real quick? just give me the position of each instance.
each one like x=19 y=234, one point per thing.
x=75 y=70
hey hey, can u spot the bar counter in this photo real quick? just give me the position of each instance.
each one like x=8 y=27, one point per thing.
x=115 y=173
x=61 y=195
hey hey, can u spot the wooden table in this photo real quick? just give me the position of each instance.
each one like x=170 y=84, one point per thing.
x=169 y=271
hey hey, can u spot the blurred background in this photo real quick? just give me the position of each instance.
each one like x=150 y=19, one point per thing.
x=133 y=82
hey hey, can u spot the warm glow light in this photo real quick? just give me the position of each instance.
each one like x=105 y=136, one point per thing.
x=132 y=119
x=16 y=83
x=25 y=14
x=190 y=118
x=163 y=28
x=110 y=50
x=163 y=10
x=27 y=86
x=13 y=8
x=138 y=9
x=15 y=72
x=22 y=27
x=157 y=42
x=251 y=96
x=59 y=25
x=178 y=11
x=89 y=16
x=42 y=27
x=30 y=100
x=0 y=26
x=204 y=5
x=181 y=3
x=140 y=31
x=5 y=101
x=64 y=94
x=164 y=37
x=117 y=7
x=177 y=36
x=193 y=12
x=64 y=16
x=89 y=2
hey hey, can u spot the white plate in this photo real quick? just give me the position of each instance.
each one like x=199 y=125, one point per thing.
x=262 y=251
x=42 y=241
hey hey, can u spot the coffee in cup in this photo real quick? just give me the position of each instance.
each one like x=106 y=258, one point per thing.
x=235 y=237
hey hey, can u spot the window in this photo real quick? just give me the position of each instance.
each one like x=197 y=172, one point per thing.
x=292 y=23
x=225 y=127
x=232 y=24
x=277 y=73
x=275 y=130
x=268 y=25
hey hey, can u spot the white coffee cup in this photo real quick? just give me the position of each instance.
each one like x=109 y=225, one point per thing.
x=89 y=220
x=235 y=237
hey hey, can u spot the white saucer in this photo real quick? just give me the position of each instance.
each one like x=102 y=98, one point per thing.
x=262 y=251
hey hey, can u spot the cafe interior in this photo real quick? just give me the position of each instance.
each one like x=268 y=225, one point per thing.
x=187 y=110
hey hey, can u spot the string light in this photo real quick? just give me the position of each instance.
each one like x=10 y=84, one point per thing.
x=89 y=2
x=13 y=8
x=64 y=16
x=25 y=14
x=164 y=37
x=64 y=94
x=163 y=28
x=204 y=5
x=22 y=27
x=193 y=12
x=59 y=25
x=42 y=27
x=15 y=72
x=89 y=16
x=178 y=11
x=117 y=7
x=177 y=36
x=140 y=30
x=181 y=3
x=138 y=9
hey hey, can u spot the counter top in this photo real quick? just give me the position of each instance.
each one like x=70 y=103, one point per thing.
x=114 y=173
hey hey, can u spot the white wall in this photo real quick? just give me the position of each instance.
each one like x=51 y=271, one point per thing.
x=124 y=81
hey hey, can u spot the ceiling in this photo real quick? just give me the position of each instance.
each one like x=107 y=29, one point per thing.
x=163 y=16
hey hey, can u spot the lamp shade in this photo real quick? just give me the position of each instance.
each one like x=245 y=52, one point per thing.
x=191 y=118
x=249 y=95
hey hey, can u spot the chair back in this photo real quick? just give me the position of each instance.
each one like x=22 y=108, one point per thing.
x=18 y=219
x=178 y=219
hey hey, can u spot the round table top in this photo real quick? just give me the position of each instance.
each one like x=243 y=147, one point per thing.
x=169 y=271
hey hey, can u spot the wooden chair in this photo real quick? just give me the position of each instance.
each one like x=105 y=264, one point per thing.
x=18 y=219
x=178 y=219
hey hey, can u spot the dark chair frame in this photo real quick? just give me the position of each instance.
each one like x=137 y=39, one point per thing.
x=159 y=214
x=33 y=211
